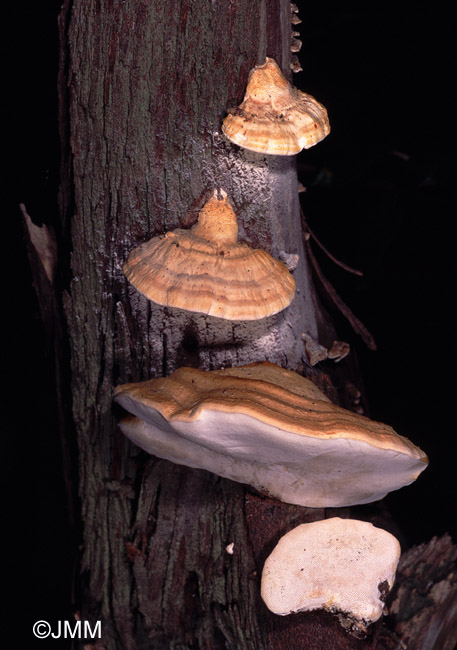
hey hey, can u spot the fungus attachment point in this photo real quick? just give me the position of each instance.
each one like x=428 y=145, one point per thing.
x=275 y=117
x=344 y=566
x=270 y=428
x=217 y=222
x=205 y=269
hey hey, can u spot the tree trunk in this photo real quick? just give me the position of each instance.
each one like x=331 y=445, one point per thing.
x=145 y=86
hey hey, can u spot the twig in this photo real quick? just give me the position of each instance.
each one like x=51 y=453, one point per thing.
x=331 y=292
x=332 y=257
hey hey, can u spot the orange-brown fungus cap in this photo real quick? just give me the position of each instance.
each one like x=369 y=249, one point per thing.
x=205 y=269
x=271 y=428
x=274 y=117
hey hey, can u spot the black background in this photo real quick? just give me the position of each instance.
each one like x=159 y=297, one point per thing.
x=380 y=194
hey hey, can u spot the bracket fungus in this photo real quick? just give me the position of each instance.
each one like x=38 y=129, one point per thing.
x=275 y=117
x=270 y=428
x=344 y=566
x=205 y=269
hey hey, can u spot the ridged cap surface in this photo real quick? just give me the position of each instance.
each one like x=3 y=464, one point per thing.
x=275 y=117
x=270 y=428
x=206 y=270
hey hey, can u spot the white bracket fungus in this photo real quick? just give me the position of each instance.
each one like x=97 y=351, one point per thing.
x=344 y=566
x=272 y=429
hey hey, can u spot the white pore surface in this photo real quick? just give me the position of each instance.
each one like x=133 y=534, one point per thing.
x=334 y=564
x=293 y=468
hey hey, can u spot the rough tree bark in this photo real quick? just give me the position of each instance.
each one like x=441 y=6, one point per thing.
x=143 y=88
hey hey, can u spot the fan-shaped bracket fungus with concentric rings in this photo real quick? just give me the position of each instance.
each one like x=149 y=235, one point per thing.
x=207 y=270
x=272 y=429
x=275 y=117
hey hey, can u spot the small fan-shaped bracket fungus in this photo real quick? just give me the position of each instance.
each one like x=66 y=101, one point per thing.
x=275 y=117
x=206 y=270
x=344 y=566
